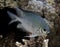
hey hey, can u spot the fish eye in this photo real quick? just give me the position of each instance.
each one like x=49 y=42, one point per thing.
x=44 y=29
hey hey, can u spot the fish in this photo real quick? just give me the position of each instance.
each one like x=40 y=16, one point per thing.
x=30 y=22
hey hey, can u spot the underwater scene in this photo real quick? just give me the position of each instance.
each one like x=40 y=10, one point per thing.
x=29 y=23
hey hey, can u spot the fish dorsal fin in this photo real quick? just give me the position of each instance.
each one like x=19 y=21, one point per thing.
x=20 y=12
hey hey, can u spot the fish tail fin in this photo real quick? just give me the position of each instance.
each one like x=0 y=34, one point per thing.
x=12 y=16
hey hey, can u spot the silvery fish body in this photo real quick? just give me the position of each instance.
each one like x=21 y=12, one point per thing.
x=30 y=22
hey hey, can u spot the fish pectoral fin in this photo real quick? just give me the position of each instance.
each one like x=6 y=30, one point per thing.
x=31 y=36
x=20 y=26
